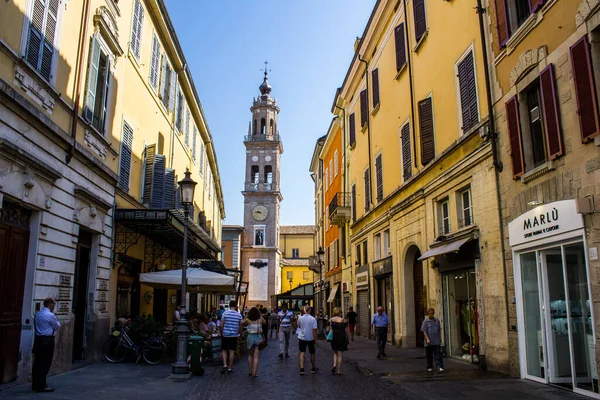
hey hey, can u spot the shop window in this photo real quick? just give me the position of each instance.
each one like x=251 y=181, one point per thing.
x=444 y=217
x=295 y=253
x=377 y=246
x=386 y=243
x=305 y=275
x=465 y=211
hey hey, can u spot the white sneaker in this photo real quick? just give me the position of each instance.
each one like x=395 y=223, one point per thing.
x=441 y=370
x=429 y=370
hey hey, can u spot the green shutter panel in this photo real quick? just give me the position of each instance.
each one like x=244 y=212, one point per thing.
x=34 y=42
x=400 y=47
x=379 y=176
x=148 y=172
x=367 y=180
x=162 y=87
x=364 y=108
x=353 y=202
x=375 y=81
x=158 y=181
x=172 y=89
x=468 y=93
x=551 y=114
x=406 y=152
x=514 y=133
x=170 y=187
x=154 y=62
x=585 y=89
x=125 y=160
x=92 y=84
x=49 y=36
x=352 y=123
x=426 y=128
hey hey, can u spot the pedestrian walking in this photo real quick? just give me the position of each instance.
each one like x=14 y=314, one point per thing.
x=177 y=314
x=351 y=318
x=265 y=318
x=273 y=321
x=432 y=330
x=339 y=343
x=307 y=338
x=380 y=327
x=254 y=326
x=46 y=326
x=285 y=328
x=230 y=328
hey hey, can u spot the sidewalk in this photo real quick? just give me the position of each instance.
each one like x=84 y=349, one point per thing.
x=460 y=380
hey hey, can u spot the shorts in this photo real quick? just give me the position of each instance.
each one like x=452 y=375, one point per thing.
x=229 y=343
x=351 y=327
x=302 y=344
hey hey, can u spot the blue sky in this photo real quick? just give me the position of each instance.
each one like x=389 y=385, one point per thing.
x=309 y=46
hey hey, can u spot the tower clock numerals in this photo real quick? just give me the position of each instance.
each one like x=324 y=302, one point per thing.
x=260 y=213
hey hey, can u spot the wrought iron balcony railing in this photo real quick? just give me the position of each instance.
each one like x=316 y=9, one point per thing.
x=340 y=208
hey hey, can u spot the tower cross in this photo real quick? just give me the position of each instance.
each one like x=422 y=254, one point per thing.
x=265 y=69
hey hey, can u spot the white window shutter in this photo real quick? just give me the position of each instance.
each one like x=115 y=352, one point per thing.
x=162 y=89
x=90 y=100
x=172 y=91
x=154 y=61
x=136 y=31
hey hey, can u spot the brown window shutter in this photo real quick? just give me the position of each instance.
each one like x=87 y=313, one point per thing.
x=585 y=88
x=375 y=80
x=379 y=177
x=406 y=152
x=501 y=22
x=426 y=128
x=551 y=114
x=420 y=22
x=364 y=108
x=352 y=123
x=514 y=133
x=400 y=47
x=367 y=181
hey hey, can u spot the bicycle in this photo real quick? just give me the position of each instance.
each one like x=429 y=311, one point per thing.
x=153 y=349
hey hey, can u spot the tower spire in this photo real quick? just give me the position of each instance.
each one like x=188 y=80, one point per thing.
x=265 y=88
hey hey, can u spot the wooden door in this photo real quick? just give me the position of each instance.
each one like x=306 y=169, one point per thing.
x=419 y=291
x=13 y=266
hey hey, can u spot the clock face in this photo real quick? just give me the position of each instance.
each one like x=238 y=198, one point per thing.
x=260 y=213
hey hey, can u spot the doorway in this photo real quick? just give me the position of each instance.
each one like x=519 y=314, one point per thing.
x=419 y=298
x=383 y=296
x=80 y=292
x=128 y=287
x=14 y=243
x=557 y=322
x=159 y=305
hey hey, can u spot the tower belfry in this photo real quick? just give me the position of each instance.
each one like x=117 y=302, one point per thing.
x=262 y=197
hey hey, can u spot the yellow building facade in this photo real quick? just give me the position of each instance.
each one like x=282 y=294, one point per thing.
x=88 y=97
x=296 y=244
x=424 y=229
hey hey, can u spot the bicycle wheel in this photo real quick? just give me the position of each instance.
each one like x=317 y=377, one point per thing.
x=114 y=350
x=154 y=353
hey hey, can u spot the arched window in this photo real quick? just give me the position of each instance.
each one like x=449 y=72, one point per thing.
x=271 y=127
x=254 y=128
x=268 y=177
x=263 y=127
x=254 y=174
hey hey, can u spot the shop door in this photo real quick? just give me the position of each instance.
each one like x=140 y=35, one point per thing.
x=364 y=321
x=460 y=315
x=13 y=262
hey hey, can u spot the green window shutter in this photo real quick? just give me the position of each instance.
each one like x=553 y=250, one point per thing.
x=49 y=36
x=426 y=128
x=36 y=29
x=107 y=78
x=154 y=62
x=125 y=160
x=92 y=84
x=148 y=172
x=170 y=187
x=172 y=89
x=162 y=87
x=158 y=182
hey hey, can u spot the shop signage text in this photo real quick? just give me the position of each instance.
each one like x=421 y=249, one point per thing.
x=362 y=279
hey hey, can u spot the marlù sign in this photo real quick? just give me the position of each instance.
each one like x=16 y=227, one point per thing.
x=544 y=221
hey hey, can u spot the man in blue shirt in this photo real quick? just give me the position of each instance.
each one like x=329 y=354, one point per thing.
x=380 y=327
x=46 y=326
x=432 y=331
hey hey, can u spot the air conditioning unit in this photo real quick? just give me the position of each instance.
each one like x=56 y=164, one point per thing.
x=345 y=286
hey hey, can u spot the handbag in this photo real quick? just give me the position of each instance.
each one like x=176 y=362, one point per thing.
x=330 y=333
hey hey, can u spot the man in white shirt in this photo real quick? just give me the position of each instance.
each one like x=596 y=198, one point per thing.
x=307 y=337
x=46 y=326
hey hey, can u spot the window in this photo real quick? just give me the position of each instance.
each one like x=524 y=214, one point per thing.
x=400 y=47
x=386 y=243
x=426 y=128
x=406 y=152
x=187 y=127
x=179 y=111
x=41 y=36
x=444 y=217
x=365 y=254
x=96 y=101
x=375 y=82
x=466 y=209
x=289 y=275
x=511 y=14
x=330 y=172
x=194 y=143
x=534 y=124
x=326 y=178
x=587 y=102
x=354 y=202
x=254 y=177
x=367 y=182
x=364 y=108
x=136 y=29
x=379 y=177
x=201 y=163
x=377 y=246
x=352 y=123
x=125 y=160
x=358 y=254
x=268 y=177
x=305 y=275
x=335 y=163
x=467 y=89
x=168 y=84
x=154 y=61
x=420 y=21
x=295 y=253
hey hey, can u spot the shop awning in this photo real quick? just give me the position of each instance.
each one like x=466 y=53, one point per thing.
x=166 y=228
x=198 y=280
x=333 y=292
x=445 y=249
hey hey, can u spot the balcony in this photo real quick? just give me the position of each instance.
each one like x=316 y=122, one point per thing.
x=340 y=209
x=261 y=187
x=259 y=137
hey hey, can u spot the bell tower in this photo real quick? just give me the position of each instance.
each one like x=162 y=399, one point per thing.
x=262 y=197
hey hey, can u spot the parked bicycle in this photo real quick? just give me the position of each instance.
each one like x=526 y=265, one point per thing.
x=153 y=349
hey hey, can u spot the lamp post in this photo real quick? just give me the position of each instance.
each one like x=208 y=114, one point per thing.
x=321 y=255
x=180 y=368
x=291 y=283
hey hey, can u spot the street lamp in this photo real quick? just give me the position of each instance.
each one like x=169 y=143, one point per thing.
x=180 y=368
x=321 y=322
x=291 y=283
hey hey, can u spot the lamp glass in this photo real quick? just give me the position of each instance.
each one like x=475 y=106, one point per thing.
x=320 y=254
x=187 y=187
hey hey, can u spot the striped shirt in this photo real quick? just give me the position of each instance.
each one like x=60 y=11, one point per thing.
x=286 y=318
x=231 y=321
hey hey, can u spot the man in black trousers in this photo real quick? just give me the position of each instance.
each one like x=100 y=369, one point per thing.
x=46 y=326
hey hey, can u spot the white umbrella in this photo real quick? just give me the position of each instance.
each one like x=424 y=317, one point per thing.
x=198 y=280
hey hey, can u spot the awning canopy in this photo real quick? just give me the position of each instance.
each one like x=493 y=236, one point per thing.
x=444 y=249
x=198 y=280
x=166 y=228
x=333 y=292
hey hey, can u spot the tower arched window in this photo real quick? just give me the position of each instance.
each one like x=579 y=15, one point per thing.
x=268 y=177
x=254 y=128
x=263 y=126
x=254 y=177
x=271 y=127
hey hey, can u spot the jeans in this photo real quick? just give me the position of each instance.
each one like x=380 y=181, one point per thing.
x=431 y=352
x=381 y=336
x=284 y=339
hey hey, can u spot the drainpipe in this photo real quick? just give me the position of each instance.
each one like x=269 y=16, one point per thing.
x=410 y=86
x=493 y=136
x=76 y=88
x=368 y=131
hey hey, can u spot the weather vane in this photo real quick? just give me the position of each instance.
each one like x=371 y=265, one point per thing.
x=266 y=70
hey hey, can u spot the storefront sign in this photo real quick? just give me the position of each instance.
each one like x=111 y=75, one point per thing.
x=545 y=221
x=362 y=279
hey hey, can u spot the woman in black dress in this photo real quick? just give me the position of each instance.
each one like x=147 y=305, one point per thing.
x=339 y=344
